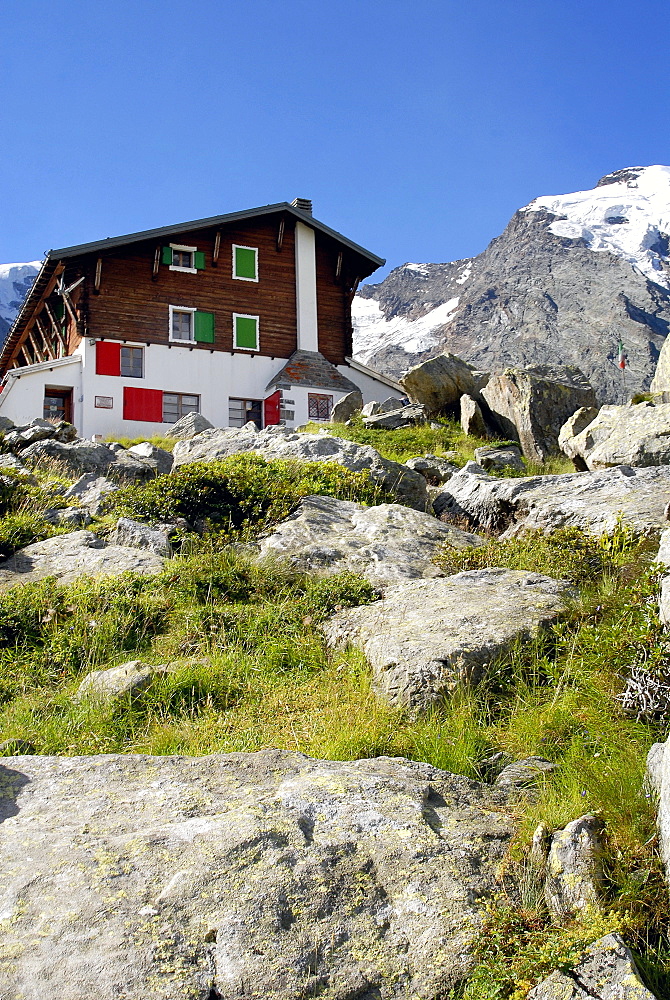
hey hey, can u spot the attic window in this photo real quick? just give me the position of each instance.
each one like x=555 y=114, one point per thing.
x=183 y=258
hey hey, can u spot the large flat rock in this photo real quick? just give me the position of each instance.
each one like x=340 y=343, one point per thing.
x=81 y=456
x=385 y=544
x=279 y=442
x=79 y=553
x=266 y=875
x=426 y=637
x=592 y=501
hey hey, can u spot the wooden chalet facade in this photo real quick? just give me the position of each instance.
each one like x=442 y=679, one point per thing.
x=241 y=316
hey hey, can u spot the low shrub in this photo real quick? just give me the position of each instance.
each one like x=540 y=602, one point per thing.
x=567 y=554
x=243 y=493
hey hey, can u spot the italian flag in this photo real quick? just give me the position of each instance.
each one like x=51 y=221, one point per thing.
x=621 y=360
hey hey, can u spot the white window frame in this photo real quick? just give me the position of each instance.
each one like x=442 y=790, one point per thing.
x=184 y=309
x=238 y=277
x=184 y=249
x=258 y=331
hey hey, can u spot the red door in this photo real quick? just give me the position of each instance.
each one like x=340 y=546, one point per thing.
x=272 y=408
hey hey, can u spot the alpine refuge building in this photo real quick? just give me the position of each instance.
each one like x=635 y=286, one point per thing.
x=239 y=317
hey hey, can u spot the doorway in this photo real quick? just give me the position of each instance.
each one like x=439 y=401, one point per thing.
x=57 y=404
x=240 y=411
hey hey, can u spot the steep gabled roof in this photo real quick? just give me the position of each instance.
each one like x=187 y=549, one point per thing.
x=217 y=220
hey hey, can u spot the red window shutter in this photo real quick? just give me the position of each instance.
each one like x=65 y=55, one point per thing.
x=107 y=358
x=272 y=406
x=142 y=404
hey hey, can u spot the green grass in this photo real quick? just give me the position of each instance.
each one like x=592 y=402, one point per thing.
x=422 y=439
x=248 y=669
x=158 y=440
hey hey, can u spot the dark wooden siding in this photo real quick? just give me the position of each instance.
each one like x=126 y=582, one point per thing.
x=132 y=306
x=331 y=302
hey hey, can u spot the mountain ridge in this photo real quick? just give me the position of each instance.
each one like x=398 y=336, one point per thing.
x=569 y=277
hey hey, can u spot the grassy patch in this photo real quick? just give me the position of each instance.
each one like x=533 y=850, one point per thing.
x=158 y=441
x=248 y=669
x=567 y=554
x=435 y=438
x=409 y=442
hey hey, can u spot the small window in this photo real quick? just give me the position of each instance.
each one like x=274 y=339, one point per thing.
x=181 y=258
x=319 y=406
x=181 y=323
x=177 y=405
x=245 y=332
x=245 y=263
x=241 y=411
x=132 y=362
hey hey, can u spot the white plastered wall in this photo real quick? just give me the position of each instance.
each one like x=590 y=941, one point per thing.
x=305 y=288
x=22 y=398
x=213 y=376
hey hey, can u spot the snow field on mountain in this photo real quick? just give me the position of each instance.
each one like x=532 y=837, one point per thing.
x=15 y=279
x=372 y=331
x=628 y=218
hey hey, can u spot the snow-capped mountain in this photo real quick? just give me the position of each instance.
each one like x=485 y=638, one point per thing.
x=15 y=280
x=570 y=276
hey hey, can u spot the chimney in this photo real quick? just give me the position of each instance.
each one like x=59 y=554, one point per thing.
x=303 y=204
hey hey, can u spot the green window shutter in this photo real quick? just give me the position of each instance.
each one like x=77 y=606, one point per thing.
x=199 y=259
x=204 y=327
x=245 y=263
x=167 y=255
x=246 y=332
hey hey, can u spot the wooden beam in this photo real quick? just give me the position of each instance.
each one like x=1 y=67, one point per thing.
x=280 y=234
x=157 y=264
x=55 y=327
x=353 y=290
x=36 y=351
x=69 y=305
x=51 y=347
x=24 y=352
x=98 y=276
x=217 y=247
x=37 y=308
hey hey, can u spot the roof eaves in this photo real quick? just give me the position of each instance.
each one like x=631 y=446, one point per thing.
x=41 y=282
x=215 y=220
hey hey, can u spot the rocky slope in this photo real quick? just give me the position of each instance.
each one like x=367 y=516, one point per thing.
x=569 y=277
x=15 y=280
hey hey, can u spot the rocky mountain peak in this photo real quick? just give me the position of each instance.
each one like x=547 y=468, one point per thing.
x=570 y=277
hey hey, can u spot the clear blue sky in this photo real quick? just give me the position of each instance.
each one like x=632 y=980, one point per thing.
x=417 y=127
